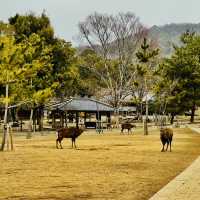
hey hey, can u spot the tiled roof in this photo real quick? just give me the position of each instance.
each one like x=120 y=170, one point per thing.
x=82 y=104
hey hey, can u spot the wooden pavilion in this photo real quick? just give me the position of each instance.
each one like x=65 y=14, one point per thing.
x=80 y=106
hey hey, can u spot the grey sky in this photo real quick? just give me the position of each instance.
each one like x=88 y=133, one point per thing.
x=65 y=14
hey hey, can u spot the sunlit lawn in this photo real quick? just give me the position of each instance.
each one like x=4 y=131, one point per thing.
x=107 y=166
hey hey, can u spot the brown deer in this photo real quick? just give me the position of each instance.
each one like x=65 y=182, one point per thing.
x=127 y=126
x=166 y=136
x=71 y=132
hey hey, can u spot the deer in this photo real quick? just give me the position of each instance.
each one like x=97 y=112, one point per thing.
x=127 y=126
x=166 y=136
x=71 y=132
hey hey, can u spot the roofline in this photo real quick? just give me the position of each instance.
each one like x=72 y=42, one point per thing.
x=67 y=101
x=58 y=104
x=100 y=102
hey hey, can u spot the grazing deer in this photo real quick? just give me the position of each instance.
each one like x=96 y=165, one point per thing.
x=166 y=136
x=71 y=132
x=127 y=126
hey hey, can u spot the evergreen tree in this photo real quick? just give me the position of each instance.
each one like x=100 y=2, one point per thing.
x=184 y=68
x=58 y=77
x=145 y=54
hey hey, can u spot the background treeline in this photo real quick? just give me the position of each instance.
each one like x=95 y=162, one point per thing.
x=121 y=59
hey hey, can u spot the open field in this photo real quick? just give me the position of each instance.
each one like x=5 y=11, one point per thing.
x=108 y=166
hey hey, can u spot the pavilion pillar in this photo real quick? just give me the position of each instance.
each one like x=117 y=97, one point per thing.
x=62 y=119
x=65 y=116
x=98 y=124
x=85 y=117
x=108 y=117
x=77 y=119
x=98 y=116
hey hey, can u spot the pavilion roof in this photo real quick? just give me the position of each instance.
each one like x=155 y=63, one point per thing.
x=81 y=105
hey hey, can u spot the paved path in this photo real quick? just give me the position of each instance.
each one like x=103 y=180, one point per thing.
x=186 y=186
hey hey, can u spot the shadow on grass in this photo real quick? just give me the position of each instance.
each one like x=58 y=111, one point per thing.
x=93 y=149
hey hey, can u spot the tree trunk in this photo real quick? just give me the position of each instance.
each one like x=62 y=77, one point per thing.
x=34 y=119
x=29 y=134
x=147 y=113
x=116 y=115
x=172 y=118
x=6 y=136
x=40 y=118
x=21 y=128
x=31 y=120
x=139 y=111
x=192 y=113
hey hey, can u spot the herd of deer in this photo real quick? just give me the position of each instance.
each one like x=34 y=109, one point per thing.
x=166 y=135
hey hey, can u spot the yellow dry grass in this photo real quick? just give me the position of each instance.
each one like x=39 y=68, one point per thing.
x=108 y=166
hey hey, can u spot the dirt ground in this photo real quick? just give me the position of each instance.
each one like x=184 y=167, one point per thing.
x=106 y=166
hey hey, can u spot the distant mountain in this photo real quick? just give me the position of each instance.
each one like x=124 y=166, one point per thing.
x=167 y=35
x=170 y=34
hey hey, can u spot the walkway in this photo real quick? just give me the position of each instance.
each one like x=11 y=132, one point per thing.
x=186 y=186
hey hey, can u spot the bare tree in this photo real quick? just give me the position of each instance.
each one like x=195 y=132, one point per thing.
x=115 y=39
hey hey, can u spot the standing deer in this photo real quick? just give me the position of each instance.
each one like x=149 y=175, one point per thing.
x=166 y=136
x=71 y=132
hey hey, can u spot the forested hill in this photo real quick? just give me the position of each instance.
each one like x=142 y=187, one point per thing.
x=168 y=34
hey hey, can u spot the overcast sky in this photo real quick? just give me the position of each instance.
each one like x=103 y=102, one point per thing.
x=65 y=14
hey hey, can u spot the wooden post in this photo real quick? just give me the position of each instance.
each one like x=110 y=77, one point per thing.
x=53 y=119
x=98 y=124
x=40 y=117
x=65 y=120
x=5 y=130
x=108 y=117
x=85 y=117
x=77 y=119
x=108 y=125
x=62 y=119
x=31 y=121
x=11 y=139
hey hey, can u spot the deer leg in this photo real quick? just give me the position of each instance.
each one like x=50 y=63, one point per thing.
x=72 y=143
x=167 y=145
x=60 y=144
x=163 y=149
x=122 y=130
x=170 y=145
x=57 y=143
x=75 y=143
x=60 y=139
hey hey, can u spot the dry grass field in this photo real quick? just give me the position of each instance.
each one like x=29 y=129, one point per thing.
x=107 y=166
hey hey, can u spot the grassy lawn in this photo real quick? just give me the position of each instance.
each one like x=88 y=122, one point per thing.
x=108 y=166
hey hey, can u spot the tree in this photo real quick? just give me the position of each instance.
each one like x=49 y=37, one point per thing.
x=184 y=68
x=38 y=86
x=145 y=54
x=115 y=39
x=58 y=77
x=89 y=83
x=26 y=25
x=10 y=60
x=65 y=68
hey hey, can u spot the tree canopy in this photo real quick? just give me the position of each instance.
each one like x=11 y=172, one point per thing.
x=182 y=73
